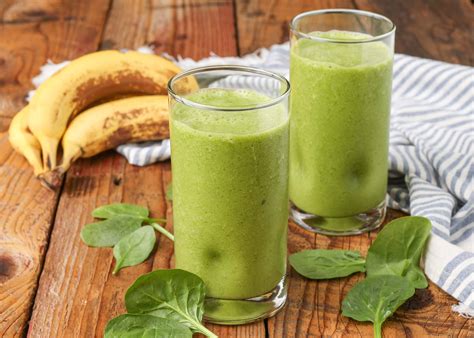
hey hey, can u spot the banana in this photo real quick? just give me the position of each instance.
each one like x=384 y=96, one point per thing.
x=91 y=78
x=103 y=127
x=24 y=142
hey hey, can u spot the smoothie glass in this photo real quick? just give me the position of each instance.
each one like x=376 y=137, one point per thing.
x=341 y=78
x=229 y=153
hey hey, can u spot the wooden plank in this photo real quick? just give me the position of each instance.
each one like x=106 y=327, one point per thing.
x=26 y=210
x=433 y=29
x=35 y=31
x=263 y=23
x=4 y=123
x=76 y=287
x=439 y=29
x=31 y=33
x=77 y=294
x=190 y=28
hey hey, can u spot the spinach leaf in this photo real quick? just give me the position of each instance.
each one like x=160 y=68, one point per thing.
x=110 y=210
x=134 y=248
x=325 y=264
x=110 y=231
x=398 y=248
x=172 y=294
x=376 y=298
x=145 y=326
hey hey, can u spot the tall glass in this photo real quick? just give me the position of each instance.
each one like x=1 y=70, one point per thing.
x=229 y=153
x=341 y=77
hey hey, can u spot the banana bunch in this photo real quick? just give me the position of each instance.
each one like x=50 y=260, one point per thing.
x=65 y=108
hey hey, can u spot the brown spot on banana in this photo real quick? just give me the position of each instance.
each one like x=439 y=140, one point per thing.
x=112 y=85
x=120 y=116
x=108 y=125
x=148 y=130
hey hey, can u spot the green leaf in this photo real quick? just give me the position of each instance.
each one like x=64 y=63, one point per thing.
x=325 y=264
x=110 y=231
x=108 y=211
x=376 y=298
x=134 y=248
x=144 y=326
x=169 y=192
x=398 y=248
x=172 y=294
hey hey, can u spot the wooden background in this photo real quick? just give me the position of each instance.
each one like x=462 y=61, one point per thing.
x=51 y=285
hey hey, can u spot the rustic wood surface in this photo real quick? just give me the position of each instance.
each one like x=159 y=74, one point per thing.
x=51 y=285
x=31 y=33
x=436 y=29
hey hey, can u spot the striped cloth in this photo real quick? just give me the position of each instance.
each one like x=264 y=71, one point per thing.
x=431 y=157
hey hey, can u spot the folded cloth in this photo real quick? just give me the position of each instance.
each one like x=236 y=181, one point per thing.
x=431 y=157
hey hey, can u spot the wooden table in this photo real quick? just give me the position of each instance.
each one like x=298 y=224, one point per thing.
x=52 y=285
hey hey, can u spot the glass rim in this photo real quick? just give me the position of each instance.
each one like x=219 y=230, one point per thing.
x=359 y=12
x=244 y=69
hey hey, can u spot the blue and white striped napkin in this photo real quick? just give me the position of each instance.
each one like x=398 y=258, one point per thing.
x=431 y=157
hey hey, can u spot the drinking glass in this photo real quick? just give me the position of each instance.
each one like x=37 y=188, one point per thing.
x=229 y=154
x=341 y=77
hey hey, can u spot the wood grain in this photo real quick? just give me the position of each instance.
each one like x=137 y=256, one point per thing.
x=77 y=288
x=433 y=29
x=263 y=23
x=188 y=28
x=77 y=294
x=440 y=30
x=31 y=32
x=26 y=211
x=4 y=124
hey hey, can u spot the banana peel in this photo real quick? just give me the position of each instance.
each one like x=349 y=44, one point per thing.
x=104 y=127
x=89 y=79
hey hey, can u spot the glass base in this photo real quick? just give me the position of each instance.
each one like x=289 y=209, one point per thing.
x=340 y=226
x=241 y=311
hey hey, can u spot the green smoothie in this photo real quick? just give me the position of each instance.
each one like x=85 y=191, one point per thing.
x=340 y=108
x=230 y=192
